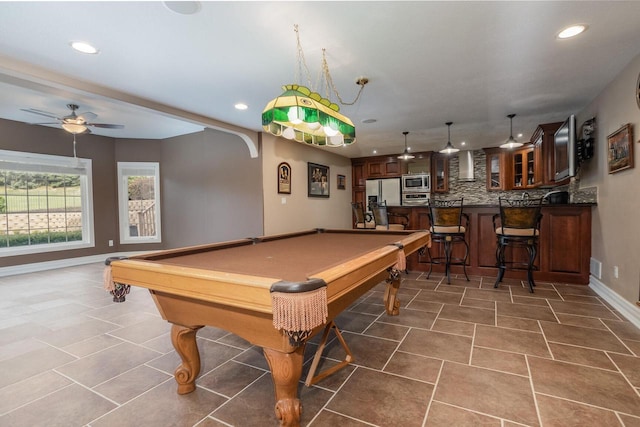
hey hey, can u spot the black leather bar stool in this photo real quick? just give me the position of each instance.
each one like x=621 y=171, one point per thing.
x=519 y=227
x=449 y=225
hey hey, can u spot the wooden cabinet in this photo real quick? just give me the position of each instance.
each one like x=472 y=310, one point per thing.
x=384 y=167
x=496 y=169
x=543 y=140
x=523 y=172
x=439 y=173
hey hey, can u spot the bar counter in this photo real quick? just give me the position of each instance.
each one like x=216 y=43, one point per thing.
x=564 y=248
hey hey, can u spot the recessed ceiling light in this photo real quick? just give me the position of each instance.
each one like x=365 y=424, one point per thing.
x=375 y=151
x=241 y=106
x=519 y=135
x=183 y=7
x=463 y=143
x=572 y=31
x=84 y=47
x=369 y=121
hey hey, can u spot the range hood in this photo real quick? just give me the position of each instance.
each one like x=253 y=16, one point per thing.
x=465 y=171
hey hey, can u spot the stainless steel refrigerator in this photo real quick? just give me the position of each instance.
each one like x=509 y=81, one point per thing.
x=384 y=189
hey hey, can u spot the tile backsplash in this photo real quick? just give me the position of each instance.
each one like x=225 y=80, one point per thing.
x=475 y=192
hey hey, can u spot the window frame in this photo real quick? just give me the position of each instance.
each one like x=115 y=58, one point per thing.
x=48 y=163
x=123 y=198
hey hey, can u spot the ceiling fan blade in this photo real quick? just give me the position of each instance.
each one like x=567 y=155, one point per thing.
x=39 y=112
x=87 y=116
x=105 y=125
x=47 y=123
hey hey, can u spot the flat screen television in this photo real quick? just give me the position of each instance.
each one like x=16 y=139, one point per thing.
x=565 y=149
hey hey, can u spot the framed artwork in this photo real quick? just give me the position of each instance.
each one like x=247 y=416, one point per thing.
x=284 y=178
x=342 y=182
x=318 y=180
x=620 y=149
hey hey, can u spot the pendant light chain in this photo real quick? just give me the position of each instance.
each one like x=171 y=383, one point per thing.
x=329 y=82
x=301 y=61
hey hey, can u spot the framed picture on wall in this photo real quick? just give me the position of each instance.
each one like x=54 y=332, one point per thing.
x=284 y=178
x=342 y=182
x=318 y=180
x=620 y=149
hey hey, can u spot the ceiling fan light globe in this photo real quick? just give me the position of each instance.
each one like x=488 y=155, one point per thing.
x=74 y=128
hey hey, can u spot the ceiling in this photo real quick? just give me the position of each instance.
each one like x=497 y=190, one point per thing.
x=162 y=73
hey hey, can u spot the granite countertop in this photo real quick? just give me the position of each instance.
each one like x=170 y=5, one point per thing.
x=496 y=206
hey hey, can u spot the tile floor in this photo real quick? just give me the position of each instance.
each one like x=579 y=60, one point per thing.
x=458 y=355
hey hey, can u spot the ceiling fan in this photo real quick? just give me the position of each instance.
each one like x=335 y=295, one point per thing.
x=73 y=123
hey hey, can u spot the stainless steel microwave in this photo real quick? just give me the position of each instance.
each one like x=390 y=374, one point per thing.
x=416 y=183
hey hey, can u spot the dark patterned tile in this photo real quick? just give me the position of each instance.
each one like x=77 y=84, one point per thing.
x=503 y=361
x=453 y=327
x=563 y=413
x=584 y=337
x=72 y=405
x=132 y=383
x=592 y=386
x=460 y=385
x=367 y=351
x=442 y=415
x=630 y=367
x=581 y=309
x=414 y=366
x=526 y=311
x=438 y=345
x=163 y=406
x=518 y=323
x=581 y=355
x=467 y=314
x=511 y=340
x=365 y=396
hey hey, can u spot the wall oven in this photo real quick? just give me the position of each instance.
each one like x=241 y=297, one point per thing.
x=416 y=183
x=409 y=199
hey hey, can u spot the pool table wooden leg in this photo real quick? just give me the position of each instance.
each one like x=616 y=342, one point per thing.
x=391 y=302
x=286 y=370
x=184 y=341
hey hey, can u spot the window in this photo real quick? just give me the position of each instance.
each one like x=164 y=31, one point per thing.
x=139 y=200
x=46 y=203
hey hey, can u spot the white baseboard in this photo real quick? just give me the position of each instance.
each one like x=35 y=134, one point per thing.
x=626 y=308
x=60 y=263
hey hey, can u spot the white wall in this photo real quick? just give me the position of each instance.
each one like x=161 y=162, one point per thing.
x=616 y=220
x=300 y=212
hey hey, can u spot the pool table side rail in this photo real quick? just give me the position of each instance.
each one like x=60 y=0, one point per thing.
x=249 y=291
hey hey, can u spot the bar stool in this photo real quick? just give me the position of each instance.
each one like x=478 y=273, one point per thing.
x=519 y=227
x=381 y=217
x=362 y=218
x=449 y=225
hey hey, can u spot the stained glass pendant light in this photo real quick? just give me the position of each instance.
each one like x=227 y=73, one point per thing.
x=511 y=142
x=305 y=116
x=449 y=148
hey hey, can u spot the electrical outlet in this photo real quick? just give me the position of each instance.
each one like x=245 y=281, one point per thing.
x=110 y=242
x=615 y=271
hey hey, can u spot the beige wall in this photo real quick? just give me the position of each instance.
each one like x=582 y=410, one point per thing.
x=18 y=136
x=301 y=212
x=616 y=224
x=211 y=188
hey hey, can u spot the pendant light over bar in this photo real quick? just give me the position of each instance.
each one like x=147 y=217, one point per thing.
x=405 y=154
x=449 y=148
x=511 y=142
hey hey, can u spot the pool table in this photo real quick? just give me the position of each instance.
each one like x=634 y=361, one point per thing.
x=276 y=292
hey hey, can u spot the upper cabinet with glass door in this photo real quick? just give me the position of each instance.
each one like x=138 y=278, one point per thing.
x=440 y=173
